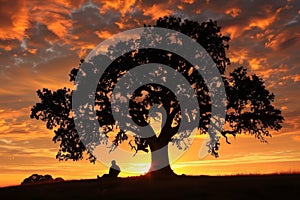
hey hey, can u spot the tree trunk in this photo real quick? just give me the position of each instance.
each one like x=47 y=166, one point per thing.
x=160 y=164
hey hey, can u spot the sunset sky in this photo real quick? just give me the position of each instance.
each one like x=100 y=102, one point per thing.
x=41 y=41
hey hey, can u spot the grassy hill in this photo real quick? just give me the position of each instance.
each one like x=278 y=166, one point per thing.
x=185 y=187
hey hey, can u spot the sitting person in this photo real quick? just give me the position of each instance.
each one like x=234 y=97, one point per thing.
x=114 y=171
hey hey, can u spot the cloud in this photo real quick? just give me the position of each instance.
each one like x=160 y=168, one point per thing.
x=17 y=123
x=266 y=157
x=233 y=12
x=122 y=6
x=157 y=10
x=6 y=141
x=14 y=19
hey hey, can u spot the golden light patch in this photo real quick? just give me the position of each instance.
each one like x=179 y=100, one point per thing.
x=85 y=49
x=257 y=63
x=103 y=34
x=188 y=1
x=123 y=6
x=32 y=51
x=239 y=56
x=263 y=23
x=266 y=73
x=296 y=78
x=180 y=7
x=157 y=11
x=274 y=41
x=233 y=31
x=233 y=12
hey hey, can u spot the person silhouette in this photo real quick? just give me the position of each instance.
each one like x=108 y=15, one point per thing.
x=114 y=171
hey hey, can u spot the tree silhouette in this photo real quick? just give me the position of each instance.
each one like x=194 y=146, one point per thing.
x=249 y=103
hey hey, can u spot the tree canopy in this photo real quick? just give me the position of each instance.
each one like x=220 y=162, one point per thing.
x=250 y=108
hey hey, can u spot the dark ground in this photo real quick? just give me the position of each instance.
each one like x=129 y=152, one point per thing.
x=182 y=187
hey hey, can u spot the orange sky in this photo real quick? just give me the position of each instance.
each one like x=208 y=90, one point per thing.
x=40 y=41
